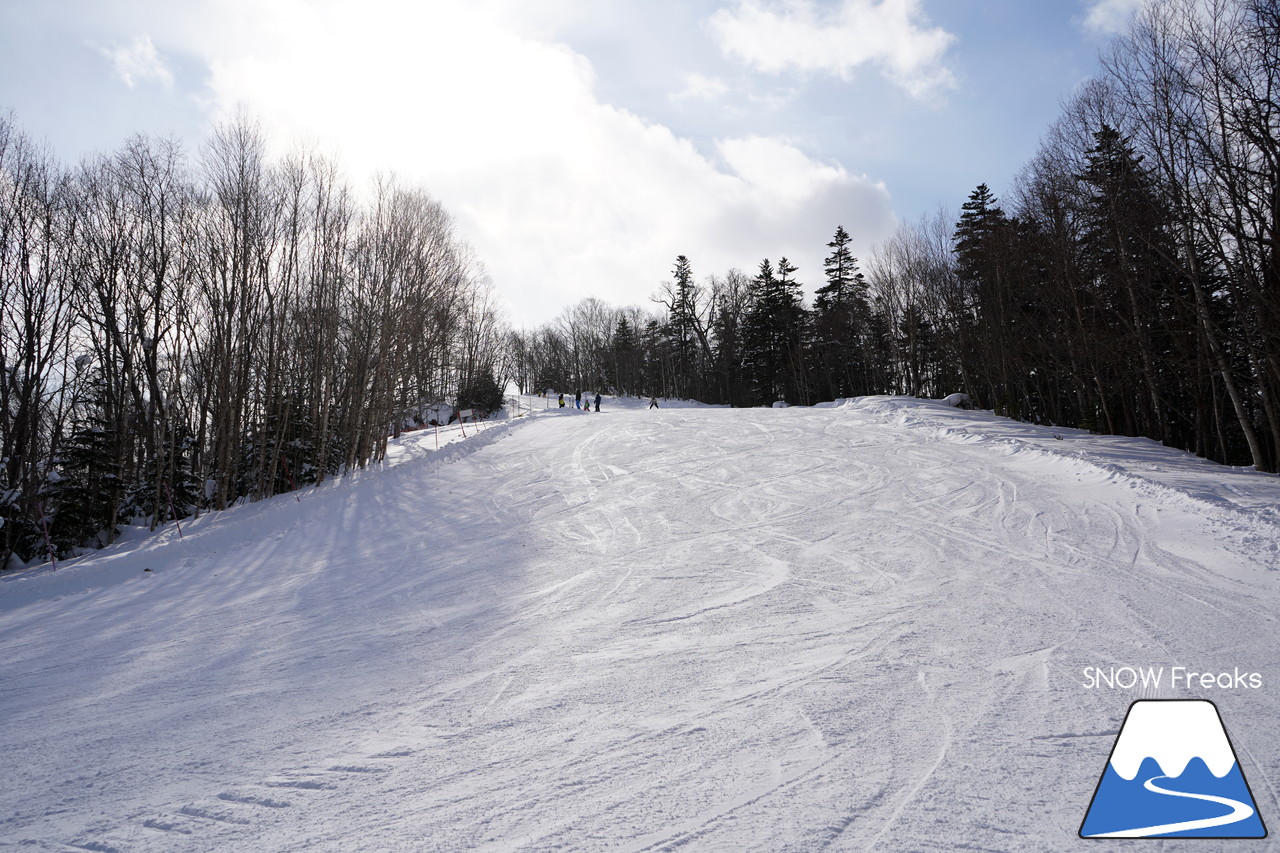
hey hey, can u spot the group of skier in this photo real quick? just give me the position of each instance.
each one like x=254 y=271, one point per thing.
x=579 y=404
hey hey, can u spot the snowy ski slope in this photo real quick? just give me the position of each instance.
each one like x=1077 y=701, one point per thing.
x=854 y=627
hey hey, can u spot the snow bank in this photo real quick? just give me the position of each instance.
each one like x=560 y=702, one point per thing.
x=1242 y=499
x=414 y=454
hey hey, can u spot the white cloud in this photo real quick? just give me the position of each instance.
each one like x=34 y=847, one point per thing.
x=1108 y=17
x=773 y=99
x=699 y=87
x=786 y=203
x=890 y=35
x=563 y=196
x=138 y=61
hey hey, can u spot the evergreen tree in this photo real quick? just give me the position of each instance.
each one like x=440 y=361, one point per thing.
x=1127 y=253
x=681 y=326
x=917 y=341
x=260 y=473
x=841 y=271
x=841 y=316
x=481 y=393
x=20 y=536
x=726 y=326
x=757 y=338
x=980 y=305
x=627 y=359
x=975 y=237
x=771 y=336
x=84 y=490
x=657 y=361
x=174 y=492
x=877 y=350
x=185 y=486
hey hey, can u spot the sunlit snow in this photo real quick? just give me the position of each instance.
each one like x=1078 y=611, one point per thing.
x=860 y=626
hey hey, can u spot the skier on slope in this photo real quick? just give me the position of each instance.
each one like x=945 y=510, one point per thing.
x=653 y=402
x=577 y=400
x=562 y=399
x=597 y=401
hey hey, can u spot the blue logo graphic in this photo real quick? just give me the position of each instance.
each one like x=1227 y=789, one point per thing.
x=1172 y=774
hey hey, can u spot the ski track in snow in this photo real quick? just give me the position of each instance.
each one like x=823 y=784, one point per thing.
x=856 y=627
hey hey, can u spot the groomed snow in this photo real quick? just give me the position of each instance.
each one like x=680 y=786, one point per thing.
x=860 y=626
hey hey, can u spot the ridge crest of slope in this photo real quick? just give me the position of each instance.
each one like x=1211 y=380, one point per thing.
x=1170 y=472
x=122 y=561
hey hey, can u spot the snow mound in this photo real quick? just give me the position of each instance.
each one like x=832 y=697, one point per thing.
x=1143 y=464
x=412 y=455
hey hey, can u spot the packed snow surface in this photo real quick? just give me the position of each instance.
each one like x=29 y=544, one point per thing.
x=862 y=626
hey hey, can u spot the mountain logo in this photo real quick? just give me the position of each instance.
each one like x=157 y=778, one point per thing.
x=1172 y=774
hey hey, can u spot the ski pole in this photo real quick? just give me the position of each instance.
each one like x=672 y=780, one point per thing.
x=168 y=491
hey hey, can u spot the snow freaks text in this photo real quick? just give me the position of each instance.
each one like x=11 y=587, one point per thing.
x=1153 y=677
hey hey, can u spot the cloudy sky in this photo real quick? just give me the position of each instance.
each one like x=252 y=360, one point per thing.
x=582 y=144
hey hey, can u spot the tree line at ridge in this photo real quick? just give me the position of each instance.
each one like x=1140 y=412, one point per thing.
x=177 y=336
x=1129 y=282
